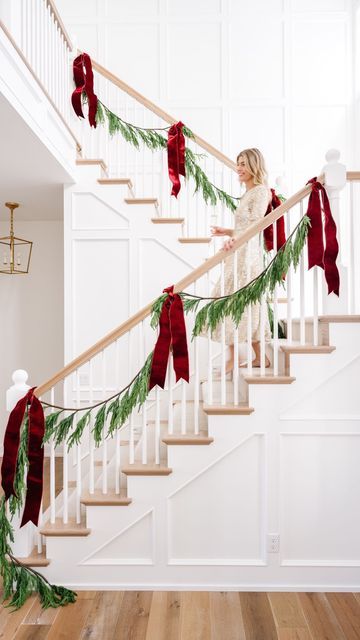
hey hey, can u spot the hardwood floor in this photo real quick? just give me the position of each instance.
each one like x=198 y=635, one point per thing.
x=159 y=615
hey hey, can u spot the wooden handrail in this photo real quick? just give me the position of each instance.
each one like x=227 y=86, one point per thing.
x=252 y=231
x=159 y=112
x=54 y=11
x=353 y=175
x=23 y=58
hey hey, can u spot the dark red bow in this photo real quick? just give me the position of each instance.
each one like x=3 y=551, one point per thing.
x=35 y=453
x=280 y=225
x=176 y=156
x=84 y=82
x=172 y=335
x=317 y=255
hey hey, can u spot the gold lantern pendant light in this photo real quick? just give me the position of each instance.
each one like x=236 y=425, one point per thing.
x=15 y=253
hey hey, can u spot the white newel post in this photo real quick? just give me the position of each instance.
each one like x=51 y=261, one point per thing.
x=24 y=537
x=335 y=181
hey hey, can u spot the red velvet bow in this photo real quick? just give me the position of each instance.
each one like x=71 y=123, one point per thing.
x=280 y=226
x=317 y=256
x=84 y=82
x=172 y=335
x=176 y=156
x=35 y=454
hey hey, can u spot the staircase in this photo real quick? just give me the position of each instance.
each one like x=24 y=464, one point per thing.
x=255 y=475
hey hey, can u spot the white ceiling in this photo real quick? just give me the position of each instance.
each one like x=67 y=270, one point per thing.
x=29 y=173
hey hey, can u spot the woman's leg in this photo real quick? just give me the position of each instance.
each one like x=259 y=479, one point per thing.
x=256 y=361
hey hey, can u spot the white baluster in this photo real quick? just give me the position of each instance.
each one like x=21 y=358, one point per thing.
x=196 y=381
x=223 y=345
x=65 y=466
x=157 y=425
x=352 y=251
x=104 y=440
x=78 y=452
x=170 y=394
x=144 y=407
x=249 y=313
x=52 y=466
x=91 y=437
x=209 y=341
x=236 y=337
x=289 y=289
x=275 y=313
x=183 y=407
x=302 y=287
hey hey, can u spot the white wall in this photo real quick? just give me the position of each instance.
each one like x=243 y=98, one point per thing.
x=270 y=73
x=32 y=305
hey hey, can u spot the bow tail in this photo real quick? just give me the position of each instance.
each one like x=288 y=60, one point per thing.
x=332 y=276
x=178 y=339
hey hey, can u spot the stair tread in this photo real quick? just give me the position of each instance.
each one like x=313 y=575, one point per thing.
x=105 y=499
x=268 y=378
x=91 y=161
x=138 y=469
x=58 y=528
x=307 y=348
x=201 y=240
x=35 y=559
x=188 y=438
x=115 y=181
x=162 y=220
x=142 y=201
x=241 y=409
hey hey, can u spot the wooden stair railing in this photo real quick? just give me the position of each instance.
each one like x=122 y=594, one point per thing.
x=209 y=264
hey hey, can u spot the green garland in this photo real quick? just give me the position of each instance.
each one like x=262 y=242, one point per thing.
x=156 y=141
x=21 y=581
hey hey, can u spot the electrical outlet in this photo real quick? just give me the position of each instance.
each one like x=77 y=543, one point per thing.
x=273 y=542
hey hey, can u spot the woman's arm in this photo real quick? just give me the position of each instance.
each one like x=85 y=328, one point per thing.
x=221 y=231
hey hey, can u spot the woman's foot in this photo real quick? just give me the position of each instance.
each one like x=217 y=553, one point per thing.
x=256 y=363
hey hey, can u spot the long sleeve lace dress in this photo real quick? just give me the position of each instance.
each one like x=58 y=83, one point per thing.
x=252 y=207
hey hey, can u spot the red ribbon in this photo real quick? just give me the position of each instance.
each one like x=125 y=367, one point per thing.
x=280 y=226
x=34 y=484
x=84 y=82
x=172 y=335
x=176 y=156
x=317 y=255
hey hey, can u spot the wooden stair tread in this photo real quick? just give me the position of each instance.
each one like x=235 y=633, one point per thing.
x=240 y=409
x=142 y=201
x=340 y=318
x=35 y=559
x=58 y=528
x=268 y=378
x=105 y=499
x=201 y=240
x=146 y=470
x=193 y=438
x=167 y=220
x=307 y=348
x=92 y=161
x=115 y=181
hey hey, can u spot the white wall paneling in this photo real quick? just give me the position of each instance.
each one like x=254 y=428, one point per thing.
x=274 y=71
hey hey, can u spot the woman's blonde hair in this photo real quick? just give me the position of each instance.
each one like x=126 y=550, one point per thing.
x=255 y=164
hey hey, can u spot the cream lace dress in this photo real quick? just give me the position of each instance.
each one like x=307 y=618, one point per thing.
x=252 y=207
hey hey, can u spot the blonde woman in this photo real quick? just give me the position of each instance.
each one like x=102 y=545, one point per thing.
x=252 y=207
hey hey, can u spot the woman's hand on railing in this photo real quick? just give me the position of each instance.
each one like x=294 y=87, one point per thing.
x=221 y=231
x=228 y=244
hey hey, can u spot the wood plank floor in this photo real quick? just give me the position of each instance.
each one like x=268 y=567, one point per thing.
x=159 y=615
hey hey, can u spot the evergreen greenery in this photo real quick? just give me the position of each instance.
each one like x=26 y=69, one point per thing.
x=233 y=305
x=155 y=141
x=20 y=581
